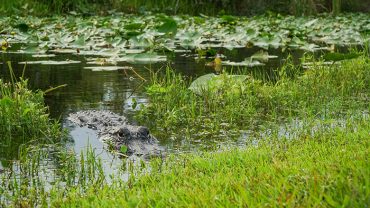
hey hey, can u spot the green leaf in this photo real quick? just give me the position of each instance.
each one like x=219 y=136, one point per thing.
x=133 y=26
x=143 y=58
x=80 y=41
x=134 y=103
x=169 y=27
x=23 y=27
x=201 y=83
x=227 y=19
x=262 y=56
x=212 y=82
x=25 y=111
x=123 y=149
x=156 y=89
x=6 y=101
x=130 y=34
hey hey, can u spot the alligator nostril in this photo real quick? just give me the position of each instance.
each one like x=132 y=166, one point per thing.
x=144 y=131
x=123 y=132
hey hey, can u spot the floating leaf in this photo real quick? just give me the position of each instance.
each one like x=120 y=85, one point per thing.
x=130 y=34
x=212 y=82
x=80 y=41
x=43 y=55
x=143 y=58
x=134 y=26
x=23 y=27
x=228 y=19
x=262 y=56
x=168 y=27
x=108 y=68
x=49 y=62
x=247 y=62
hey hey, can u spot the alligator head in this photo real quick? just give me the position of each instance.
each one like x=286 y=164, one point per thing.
x=137 y=139
x=113 y=129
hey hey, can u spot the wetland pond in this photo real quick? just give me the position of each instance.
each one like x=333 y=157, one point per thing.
x=103 y=61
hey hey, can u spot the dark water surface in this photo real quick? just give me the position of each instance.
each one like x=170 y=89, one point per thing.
x=113 y=90
x=117 y=91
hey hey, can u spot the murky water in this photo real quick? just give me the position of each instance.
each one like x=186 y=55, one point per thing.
x=109 y=90
x=114 y=90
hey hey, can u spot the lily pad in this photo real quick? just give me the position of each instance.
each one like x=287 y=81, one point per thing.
x=108 y=68
x=262 y=56
x=143 y=58
x=49 y=62
x=43 y=55
x=23 y=27
x=247 y=62
x=211 y=82
x=168 y=27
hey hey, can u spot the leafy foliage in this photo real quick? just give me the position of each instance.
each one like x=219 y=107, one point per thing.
x=23 y=114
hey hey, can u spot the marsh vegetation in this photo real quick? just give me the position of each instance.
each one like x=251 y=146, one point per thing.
x=264 y=110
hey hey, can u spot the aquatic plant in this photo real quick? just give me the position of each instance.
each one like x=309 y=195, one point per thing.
x=23 y=116
x=193 y=7
x=125 y=39
x=222 y=103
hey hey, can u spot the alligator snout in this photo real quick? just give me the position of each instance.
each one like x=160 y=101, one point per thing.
x=124 y=132
x=143 y=132
x=140 y=132
x=115 y=129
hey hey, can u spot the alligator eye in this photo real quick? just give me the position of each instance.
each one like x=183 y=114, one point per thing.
x=83 y=119
x=123 y=132
x=144 y=131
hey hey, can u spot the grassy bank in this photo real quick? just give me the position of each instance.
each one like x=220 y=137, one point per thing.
x=321 y=171
x=329 y=169
x=193 y=7
x=325 y=164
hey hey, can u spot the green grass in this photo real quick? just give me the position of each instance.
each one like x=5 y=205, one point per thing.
x=327 y=170
x=23 y=117
x=326 y=92
x=324 y=165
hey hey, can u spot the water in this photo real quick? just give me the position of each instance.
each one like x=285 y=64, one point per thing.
x=115 y=90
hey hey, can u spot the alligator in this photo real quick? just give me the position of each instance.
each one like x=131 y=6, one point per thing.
x=114 y=129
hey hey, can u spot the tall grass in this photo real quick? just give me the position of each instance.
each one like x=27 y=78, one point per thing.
x=327 y=92
x=329 y=169
x=43 y=172
x=23 y=115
